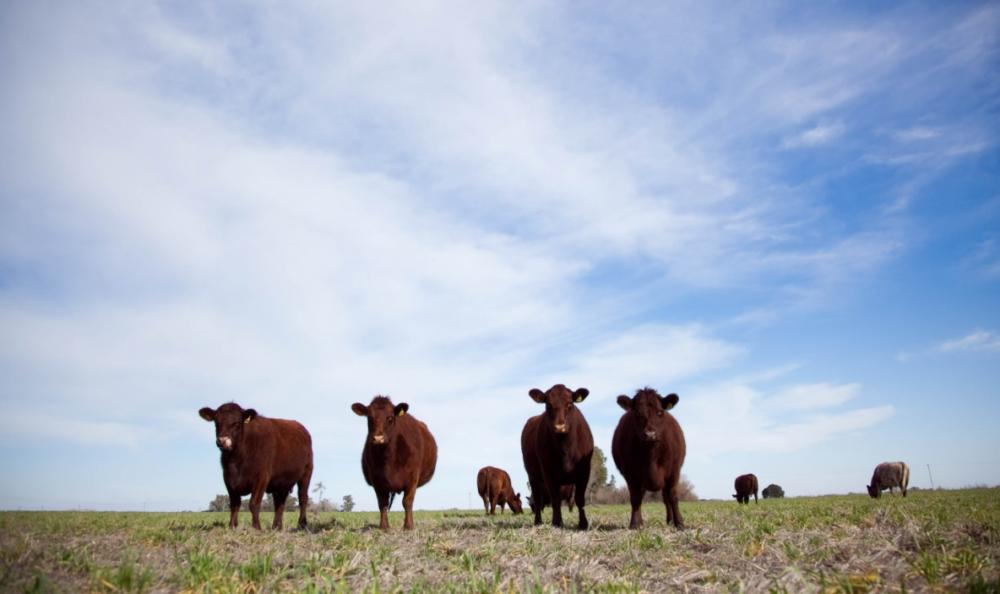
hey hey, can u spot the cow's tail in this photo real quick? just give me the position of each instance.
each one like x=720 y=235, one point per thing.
x=906 y=478
x=392 y=497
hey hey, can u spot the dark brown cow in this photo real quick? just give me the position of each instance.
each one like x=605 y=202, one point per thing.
x=745 y=484
x=557 y=447
x=261 y=455
x=400 y=454
x=649 y=449
x=495 y=489
x=566 y=493
x=889 y=475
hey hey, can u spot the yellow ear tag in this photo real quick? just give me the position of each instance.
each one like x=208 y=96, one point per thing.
x=247 y=420
x=402 y=412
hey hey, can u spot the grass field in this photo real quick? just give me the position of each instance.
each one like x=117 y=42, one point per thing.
x=929 y=541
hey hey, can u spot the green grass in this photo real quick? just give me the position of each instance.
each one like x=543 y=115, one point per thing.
x=929 y=541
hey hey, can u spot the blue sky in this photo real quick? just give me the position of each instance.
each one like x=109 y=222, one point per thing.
x=787 y=213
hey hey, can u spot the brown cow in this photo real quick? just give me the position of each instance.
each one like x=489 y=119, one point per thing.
x=888 y=475
x=648 y=448
x=400 y=454
x=261 y=455
x=495 y=489
x=745 y=484
x=566 y=493
x=557 y=447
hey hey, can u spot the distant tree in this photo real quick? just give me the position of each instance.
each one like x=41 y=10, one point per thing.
x=318 y=489
x=220 y=503
x=598 y=473
x=348 y=504
x=773 y=491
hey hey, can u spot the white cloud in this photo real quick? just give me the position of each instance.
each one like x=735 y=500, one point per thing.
x=977 y=341
x=811 y=396
x=815 y=136
x=786 y=422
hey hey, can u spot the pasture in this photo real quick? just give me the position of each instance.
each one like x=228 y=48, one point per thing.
x=929 y=541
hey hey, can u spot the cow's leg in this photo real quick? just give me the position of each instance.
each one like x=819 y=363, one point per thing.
x=304 y=496
x=635 y=493
x=537 y=501
x=493 y=504
x=501 y=507
x=553 y=490
x=383 y=508
x=486 y=505
x=674 y=510
x=280 y=497
x=234 y=508
x=581 y=502
x=256 y=498
x=408 y=495
x=754 y=498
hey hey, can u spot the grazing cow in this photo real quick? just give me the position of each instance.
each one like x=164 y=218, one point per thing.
x=888 y=475
x=746 y=484
x=649 y=449
x=495 y=489
x=557 y=447
x=400 y=454
x=261 y=455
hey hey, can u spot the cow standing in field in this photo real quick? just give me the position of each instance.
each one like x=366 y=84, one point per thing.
x=745 y=484
x=557 y=447
x=400 y=454
x=649 y=449
x=261 y=455
x=888 y=475
x=495 y=489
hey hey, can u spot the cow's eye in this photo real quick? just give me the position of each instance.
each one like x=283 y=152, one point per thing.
x=659 y=413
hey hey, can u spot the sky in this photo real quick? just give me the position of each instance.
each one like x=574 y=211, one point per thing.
x=787 y=213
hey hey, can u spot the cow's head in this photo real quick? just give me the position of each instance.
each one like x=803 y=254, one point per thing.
x=559 y=404
x=873 y=491
x=230 y=418
x=515 y=503
x=647 y=408
x=382 y=415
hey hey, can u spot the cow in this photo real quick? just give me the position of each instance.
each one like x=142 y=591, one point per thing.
x=566 y=494
x=648 y=448
x=399 y=455
x=745 y=484
x=495 y=489
x=557 y=447
x=261 y=455
x=888 y=475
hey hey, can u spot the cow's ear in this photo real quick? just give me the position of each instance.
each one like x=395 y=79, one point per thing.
x=249 y=414
x=360 y=409
x=669 y=401
x=401 y=408
x=207 y=413
x=625 y=402
x=581 y=394
x=537 y=395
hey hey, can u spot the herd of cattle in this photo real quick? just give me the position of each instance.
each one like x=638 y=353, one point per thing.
x=264 y=455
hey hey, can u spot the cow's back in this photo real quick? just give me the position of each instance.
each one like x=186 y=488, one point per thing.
x=482 y=480
x=428 y=449
x=891 y=474
x=529 y=449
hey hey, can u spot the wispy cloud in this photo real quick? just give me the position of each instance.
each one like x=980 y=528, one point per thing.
x=977 y=341
x=815 y=136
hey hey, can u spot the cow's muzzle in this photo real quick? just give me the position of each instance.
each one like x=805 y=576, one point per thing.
x=561 y=428
x=649 y=435
x=224 y=443
x=378 y=439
